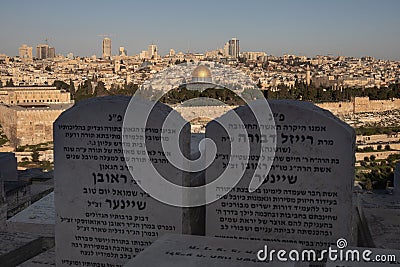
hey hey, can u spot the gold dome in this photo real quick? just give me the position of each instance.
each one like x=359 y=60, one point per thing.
x=201 y=72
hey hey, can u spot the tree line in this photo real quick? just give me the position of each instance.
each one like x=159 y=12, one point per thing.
x=87 y=90
x=300 y=91
x=326 y=94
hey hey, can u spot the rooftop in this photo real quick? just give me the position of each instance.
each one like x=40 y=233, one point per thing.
x=40 y=107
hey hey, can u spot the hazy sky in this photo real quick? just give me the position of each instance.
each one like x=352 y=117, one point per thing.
x=306 y=27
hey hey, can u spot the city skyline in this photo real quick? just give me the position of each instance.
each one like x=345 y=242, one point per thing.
x=348 y=28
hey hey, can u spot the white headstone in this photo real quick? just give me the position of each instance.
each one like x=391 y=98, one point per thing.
x=8 y=166
x=381 y=215
x=103 y=218
x=306 y=198
x=396 y=180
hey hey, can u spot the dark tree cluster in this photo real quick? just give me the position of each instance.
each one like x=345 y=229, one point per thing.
x=380 y=173
x=182 y=94
x=86 y=89
x=321 y=94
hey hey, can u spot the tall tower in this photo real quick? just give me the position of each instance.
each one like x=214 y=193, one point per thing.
x=25 y=52
x=152 y=51
x=234 y=49
x=42 y=51
x=308 y=75
x=226 y=49
x=107 y=48
x=52 y=52
x=123 y=52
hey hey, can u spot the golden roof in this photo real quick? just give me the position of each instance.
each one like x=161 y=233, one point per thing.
x=201 y=72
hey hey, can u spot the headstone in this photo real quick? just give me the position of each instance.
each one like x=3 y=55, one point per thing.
x=8 y=166
x=381 y=214
x=38 y=218
x=45 y=259
x=185 y=250
x=306 y=198
x=18 y=247
x=103 y=218
x=396 y=180
x=361 y=256
x=3 y=210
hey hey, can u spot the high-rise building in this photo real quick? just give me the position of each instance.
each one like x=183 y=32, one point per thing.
x=44 y=51
x=152 y=51
x=52 y=52
x=171 y=52
x=107 y=48
x=234 y=48
x=226 y=49
x=144 y=54
x=25 y=52
x=123 y=52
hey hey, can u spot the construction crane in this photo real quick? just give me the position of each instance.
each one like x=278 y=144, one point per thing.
x=106 y=35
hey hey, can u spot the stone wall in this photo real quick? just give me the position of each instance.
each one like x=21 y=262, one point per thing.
x=30 y=126
x=210 y=112
x=361 y=105
x=356 y=105
x=338 y=107
x=33 y=95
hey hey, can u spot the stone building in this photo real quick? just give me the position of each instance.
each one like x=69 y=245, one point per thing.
x=27 y=113
x=33 y=95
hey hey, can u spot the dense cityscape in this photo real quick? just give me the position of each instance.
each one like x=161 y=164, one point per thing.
x=117 y=69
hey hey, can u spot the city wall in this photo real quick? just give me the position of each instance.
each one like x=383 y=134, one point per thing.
x=30 y=126
x=360 y=105
x=356 y=105
x=210 y=112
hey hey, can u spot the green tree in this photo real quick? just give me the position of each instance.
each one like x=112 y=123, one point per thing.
x=84 y=91
x=61 y=85
x=35 y=156
x=372 y=158
x=71 y=89
x=10 y=83
x=363 y=163
x=368 y=185
x=130 y=89
x=100 y=90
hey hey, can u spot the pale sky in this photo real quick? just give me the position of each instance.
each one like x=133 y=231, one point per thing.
x=303 y=27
